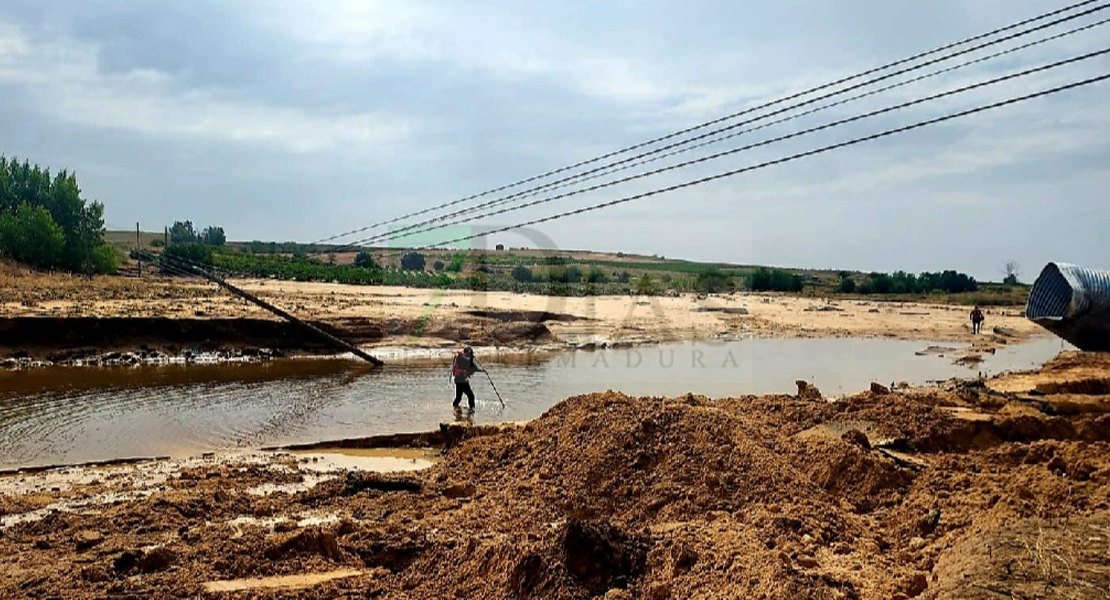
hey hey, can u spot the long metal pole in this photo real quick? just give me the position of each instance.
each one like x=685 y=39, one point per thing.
x=288 y=317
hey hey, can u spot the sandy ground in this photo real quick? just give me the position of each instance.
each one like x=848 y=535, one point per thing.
x=959 y=491
x=415 y=317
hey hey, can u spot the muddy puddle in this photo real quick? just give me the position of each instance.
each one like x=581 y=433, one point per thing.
x=64 y=416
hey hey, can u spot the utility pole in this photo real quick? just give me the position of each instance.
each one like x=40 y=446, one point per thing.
x=288 y=317
x=139 y=245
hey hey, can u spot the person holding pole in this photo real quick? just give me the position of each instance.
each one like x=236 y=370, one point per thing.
x=462 y=368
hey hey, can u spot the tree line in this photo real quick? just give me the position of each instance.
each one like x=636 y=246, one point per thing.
x=901 y=282
x=45 y=223
x=182 y=232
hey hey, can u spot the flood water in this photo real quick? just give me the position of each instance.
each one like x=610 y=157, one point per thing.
x=70 y=415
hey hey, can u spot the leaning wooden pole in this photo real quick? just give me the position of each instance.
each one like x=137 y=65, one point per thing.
x=288 y=317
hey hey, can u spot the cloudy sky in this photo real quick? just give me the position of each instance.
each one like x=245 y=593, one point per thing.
x=298 y=120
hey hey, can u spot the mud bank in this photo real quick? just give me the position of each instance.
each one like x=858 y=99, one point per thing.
x=37 y=341
x=954 y=492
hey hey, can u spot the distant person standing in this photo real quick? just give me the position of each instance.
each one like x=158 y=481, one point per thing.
x=462 y=368
x=977 y=319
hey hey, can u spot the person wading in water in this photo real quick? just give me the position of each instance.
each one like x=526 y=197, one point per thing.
x=462 y=368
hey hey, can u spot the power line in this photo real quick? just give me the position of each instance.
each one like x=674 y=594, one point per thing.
x=710 y=123
x=416 y=229
x=790 y=158
x=793 y=135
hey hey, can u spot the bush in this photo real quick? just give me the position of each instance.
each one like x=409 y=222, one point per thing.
x=31 y=236
x=478 y=281
x=105 y=259
x=522 y=274
x=712 y=281
x=413 y=261
x=847 y=286
x=456 y=264
x=595 y=275
x=438 y=266
x=365 y=260
x=158 y=243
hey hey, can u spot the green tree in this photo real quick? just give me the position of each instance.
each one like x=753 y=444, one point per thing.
x=213 y=236
x=644 y=285
x=456 y=264
x=881 y=283
x=847 y=285
x=365 y=260
x=413 y=261
x=438 y=265
x=182 y=232
x=31 y=236
x=775 y=280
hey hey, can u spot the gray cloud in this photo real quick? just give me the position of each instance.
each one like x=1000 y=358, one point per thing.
x=298 y=120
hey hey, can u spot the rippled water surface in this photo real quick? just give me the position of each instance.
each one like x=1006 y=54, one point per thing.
x=60 y=415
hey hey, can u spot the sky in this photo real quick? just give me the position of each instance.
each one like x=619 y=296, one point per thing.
x=300 y=120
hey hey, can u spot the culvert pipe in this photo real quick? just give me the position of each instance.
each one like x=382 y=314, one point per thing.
x=1073 y=302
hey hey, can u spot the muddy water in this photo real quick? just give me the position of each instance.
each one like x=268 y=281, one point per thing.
x=51 y=416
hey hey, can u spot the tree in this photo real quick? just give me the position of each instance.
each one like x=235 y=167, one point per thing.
x=1012 y=271
x=881 y=283
x=438 y=265
x=456 y=264
x=182 y=232
x=31 y=236
x=712 y=281
x=774 y=280
x=213 y=236
x=644 y=285
x=413 y=261
x=81 y=223
x=522 y=274
x=365 y=260
x=847 y=285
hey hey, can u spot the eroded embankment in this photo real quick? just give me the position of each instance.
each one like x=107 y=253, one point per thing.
x=68 y=339
x=951 y=493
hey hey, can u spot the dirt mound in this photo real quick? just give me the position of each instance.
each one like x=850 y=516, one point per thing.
x=877 y=496
x=634 y=459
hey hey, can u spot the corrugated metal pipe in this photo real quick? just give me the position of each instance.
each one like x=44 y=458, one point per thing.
x=1074 y=303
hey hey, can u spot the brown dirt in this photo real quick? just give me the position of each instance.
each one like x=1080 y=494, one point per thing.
x=932 y=493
